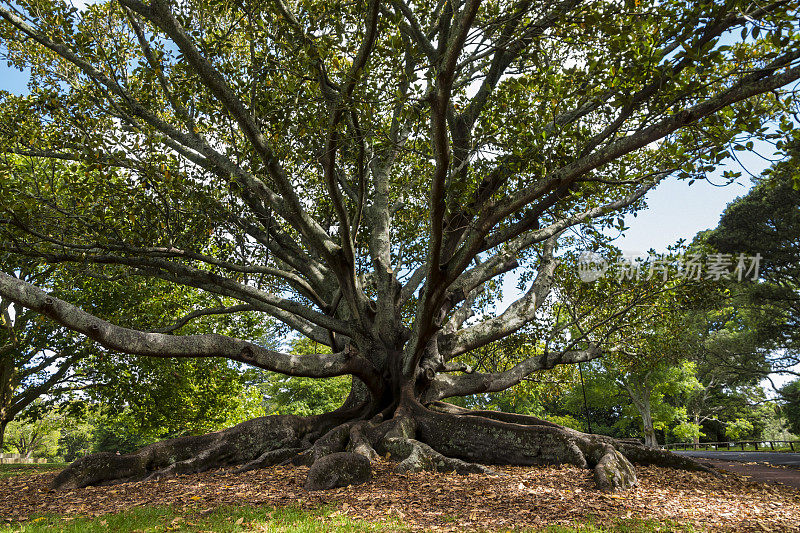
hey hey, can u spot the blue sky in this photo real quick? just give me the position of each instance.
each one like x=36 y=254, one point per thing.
x=12 y=80
x=678 y=210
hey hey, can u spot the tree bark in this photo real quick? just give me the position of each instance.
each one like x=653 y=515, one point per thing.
x=696 y=437
x=3 y=425
x=640 y=396
x=650 y=439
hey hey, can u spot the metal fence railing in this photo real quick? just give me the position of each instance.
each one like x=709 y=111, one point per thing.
x=16 y=458
x=766 y=445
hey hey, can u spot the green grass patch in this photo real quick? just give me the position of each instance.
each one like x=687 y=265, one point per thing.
x=18 y=469
x=223 y=519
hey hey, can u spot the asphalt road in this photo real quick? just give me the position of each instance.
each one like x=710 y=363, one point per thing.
x=778 y=459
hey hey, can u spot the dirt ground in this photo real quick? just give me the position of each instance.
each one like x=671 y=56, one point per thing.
x=518 y=497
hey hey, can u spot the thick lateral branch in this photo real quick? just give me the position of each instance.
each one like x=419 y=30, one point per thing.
x=159 y=345
x=497 y=265
x=515 y=317
x=296 y=315
x=446 y=386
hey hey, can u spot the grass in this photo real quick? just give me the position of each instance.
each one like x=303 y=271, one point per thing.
x=248 y=519
x=16 y=469
x=223 y=519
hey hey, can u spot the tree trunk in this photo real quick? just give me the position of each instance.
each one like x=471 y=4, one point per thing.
x=436 y=436
x=642 y=405
x=650 y=439
x=640 y=396
x=3 y=425
x=25 y=447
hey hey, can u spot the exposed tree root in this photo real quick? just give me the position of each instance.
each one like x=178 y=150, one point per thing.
x=545 y=439
x=338 y=470
x=270 y=458
x=333 y=441
x=239 y=444
x=360 y=442
x=614 y=471
x=415 y=456
x=440 y=438
x=489 y=441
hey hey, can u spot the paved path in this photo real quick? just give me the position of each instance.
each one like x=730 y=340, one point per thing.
x=787 y=469
x=777 y=459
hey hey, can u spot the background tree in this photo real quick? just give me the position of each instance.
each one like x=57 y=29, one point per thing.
x=647 y=390
x=299 y=395
x=791 y=407
x=360 y=172
x=34 y=432
x=638 y=310
x=766 y=221
x=38 y=358
x=611 y=410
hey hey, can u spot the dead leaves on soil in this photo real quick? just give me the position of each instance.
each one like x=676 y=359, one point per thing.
x=519 y=497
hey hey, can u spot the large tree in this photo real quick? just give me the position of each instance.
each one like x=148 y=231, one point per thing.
x=364 y=173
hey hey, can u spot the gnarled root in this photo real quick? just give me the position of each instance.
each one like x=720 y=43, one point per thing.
x=360 y=442
x=507 y=438
x=239 y=444
x=341 y=457
x=270 y=458
x=489 y=441
x=416 y=456
x=442 y=438
x=614 y=471
x=338 y=470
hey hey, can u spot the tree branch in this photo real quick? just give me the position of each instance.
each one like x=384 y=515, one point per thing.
x=160 y=15
x=137 y=342
x=446 y=386
x=204 y=312
x=512 y=319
